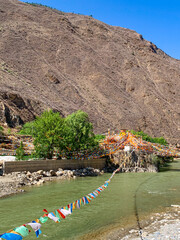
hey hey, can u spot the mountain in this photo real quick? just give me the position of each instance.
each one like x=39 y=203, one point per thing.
x=65 y=61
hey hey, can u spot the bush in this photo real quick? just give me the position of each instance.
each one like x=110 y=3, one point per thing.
x=99 y=137
x=1 y=130
x=20 y=152
x=42 y=5
x=157 y=161
x=38 y=5
x=28 y=129
x=148 y=138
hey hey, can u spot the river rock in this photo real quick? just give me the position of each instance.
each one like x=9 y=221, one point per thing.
x=59 y=173
x=28 y=174
x=53 y=173
x=46 y=174
x=40 y=182
x=40 y=172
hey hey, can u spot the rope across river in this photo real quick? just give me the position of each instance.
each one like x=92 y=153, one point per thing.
x=57 y=215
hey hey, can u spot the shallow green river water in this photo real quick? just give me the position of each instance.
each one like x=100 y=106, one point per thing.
x=151 y=192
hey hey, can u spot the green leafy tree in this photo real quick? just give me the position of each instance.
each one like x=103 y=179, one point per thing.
x=28 y=129
x=52 y=133
x=20 y=152
x=78 y=132
x=48 y=134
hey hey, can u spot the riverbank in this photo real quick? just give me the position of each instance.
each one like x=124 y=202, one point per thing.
x=14 y=182
x=160 y=226
x=157 y=226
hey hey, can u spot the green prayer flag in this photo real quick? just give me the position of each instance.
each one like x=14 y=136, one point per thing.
x=22 y=230
x=89 y=197
x=43 y=219
x=57 y=215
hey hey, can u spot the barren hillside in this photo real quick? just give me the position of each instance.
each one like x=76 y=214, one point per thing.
x=51 y=59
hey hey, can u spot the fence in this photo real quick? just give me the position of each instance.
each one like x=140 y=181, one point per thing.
x=46 y=165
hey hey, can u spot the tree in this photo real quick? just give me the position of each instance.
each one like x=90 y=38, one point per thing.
x=78 y=131
x=48 y=134
x=52 y=133
x=28 y=128
x=20 y=152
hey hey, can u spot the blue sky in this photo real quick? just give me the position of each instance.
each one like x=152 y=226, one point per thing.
x=157 y=20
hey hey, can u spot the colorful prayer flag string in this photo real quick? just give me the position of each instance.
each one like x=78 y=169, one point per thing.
x=20 y=232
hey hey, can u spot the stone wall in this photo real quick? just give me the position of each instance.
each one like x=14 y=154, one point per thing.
x=46 y=165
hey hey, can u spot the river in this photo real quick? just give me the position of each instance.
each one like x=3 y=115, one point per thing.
x=127 y=194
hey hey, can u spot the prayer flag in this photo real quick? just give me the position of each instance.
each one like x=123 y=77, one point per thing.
x=83 y=200
x=65 y=212
x=24 y=231
x=86 y=200
x=43 y=219
x=59 y=211
x=77 y=204
x=95 y=193
x=11 y=236
x=57 y=215
x=36 y=227
x=92 y=195
x=38 y=232
x=71 y=207
x=53 y=217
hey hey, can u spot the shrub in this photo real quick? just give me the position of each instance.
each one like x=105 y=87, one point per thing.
x=1 y=130
x=148 y=138
x=28 y=128
x=99 y=137
x=157 y=161
x=42 y=5
x=20 y=152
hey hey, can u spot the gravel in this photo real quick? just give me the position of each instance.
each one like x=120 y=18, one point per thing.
x=164 y=226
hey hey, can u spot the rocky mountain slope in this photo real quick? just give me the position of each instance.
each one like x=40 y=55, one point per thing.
x=63 y=61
